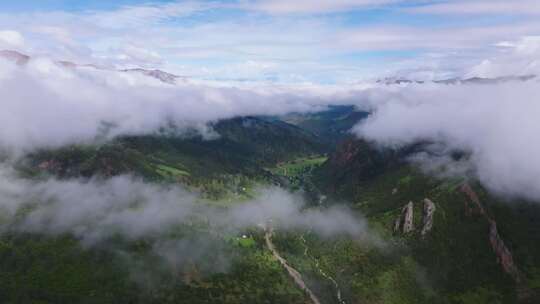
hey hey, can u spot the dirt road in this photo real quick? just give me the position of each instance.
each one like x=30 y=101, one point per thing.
x=293 y=273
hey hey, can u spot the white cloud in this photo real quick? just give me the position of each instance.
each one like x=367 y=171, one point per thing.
x=464 y=38
x=11 y=39
x=303 y=41
x=138 y=56
x=313 y=6
x=60 y=34
x=520 y=57
x=499 y=7
x=497 y=124
x=46 y=105
x=94 y=211
x=145 y=15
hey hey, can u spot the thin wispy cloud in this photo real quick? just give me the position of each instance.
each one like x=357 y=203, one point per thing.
x=481 y=7
x=146 y=14
x=288 y=41
x=313 y=6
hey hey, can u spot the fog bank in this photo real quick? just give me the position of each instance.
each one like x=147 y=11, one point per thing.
x=497 y=124
x=96 y=211
x=45 y=104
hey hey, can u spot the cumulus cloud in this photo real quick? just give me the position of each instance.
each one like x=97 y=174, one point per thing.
x=519 y=57
x=496 y=125
x=11 y=39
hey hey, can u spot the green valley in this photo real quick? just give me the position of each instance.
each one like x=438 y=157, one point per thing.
x=452 y=263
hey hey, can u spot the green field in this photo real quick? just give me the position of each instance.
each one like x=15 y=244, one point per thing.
x=298 y=166
x=167 y=171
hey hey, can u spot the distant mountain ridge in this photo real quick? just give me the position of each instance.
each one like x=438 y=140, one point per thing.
x=23 y=59
x=471 y=80
x=244 y=145
x=332 y=125
x=170 y=78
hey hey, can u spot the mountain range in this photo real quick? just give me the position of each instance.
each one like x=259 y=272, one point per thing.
x=434 y=239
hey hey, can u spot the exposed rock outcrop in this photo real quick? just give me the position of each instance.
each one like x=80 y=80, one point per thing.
x=397 y=224
x=427 y=219
x=357 y=160
x=503 y=253
x=404 y=223
x=504 y=256
x=472 y=205
x=408 y=212
x=157 y=74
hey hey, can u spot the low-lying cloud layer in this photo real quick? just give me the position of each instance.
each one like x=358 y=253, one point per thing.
x=46 y=105
x=498 y=124
x=95 y=211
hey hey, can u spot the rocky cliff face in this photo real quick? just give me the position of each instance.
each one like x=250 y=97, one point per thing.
x=157 y=74
x=427 y=219
x=404 y=223
x=503 y=253
x=356 y=161
x=472 y=204
x=504 y=256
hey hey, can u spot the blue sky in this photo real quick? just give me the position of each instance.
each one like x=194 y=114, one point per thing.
x=320 y=41
x=68 y=5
